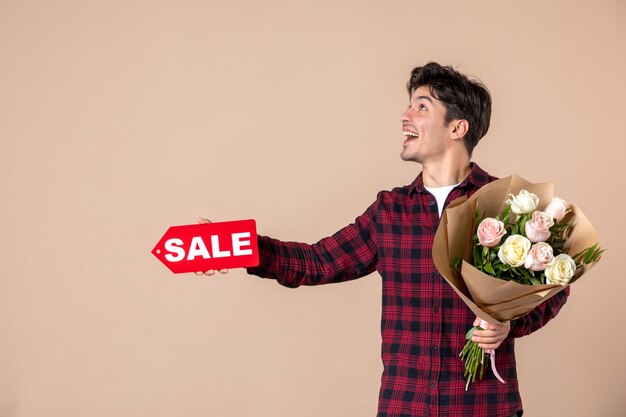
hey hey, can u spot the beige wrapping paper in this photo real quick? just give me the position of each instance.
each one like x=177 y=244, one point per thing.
x=494 y=299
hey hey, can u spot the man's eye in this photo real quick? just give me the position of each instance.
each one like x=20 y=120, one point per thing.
x=422 y=107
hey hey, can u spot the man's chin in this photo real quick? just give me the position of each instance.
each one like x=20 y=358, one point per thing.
x=408 y=157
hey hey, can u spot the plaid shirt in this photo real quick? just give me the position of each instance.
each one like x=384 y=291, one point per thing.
x=423 y=320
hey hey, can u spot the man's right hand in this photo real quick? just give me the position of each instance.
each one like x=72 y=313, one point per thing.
x=210 y=271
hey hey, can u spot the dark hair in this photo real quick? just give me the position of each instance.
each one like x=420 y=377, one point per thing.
x=463 y=98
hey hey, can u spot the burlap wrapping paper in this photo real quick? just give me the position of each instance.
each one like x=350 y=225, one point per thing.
x=494 y=299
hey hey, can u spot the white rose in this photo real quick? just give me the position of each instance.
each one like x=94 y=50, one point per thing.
x=561 y=270
x=514 y=250
x=523 y=203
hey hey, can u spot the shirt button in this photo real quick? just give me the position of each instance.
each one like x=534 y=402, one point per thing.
x=432 y=203
x=432 y=385
x=436 y=309
x=435 y=348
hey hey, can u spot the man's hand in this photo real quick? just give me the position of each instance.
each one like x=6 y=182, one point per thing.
x=210 y=271
x=492 y=336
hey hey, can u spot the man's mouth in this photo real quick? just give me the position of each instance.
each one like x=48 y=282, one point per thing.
x=409 y=136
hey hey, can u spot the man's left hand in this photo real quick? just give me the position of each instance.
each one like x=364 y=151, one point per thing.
x=492 y=336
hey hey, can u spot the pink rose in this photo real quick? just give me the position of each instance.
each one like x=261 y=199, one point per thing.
x=539 y=257
x=556 y=208
x=490 y=232
x=538 y=227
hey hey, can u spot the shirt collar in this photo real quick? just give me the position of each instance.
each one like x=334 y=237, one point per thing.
x=477 y=177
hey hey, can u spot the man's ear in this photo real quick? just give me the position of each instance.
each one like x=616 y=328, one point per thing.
x=460 y=127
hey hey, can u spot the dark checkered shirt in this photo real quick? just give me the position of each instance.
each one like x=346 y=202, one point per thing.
x=423 y=320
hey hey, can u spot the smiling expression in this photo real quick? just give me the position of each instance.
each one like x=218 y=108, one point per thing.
x=426 y=134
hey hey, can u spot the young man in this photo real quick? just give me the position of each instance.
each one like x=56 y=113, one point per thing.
x=423 y=320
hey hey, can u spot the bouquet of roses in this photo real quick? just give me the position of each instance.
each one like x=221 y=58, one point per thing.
x=508 y=248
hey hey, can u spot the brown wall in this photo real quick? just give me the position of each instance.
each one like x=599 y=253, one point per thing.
x=120 y=118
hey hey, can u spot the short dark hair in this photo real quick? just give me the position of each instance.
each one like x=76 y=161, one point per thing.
x=462 y=97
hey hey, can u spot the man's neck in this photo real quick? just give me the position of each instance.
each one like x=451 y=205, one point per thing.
x=444 y=173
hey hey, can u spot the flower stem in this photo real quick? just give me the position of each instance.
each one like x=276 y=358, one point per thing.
x=474 y=358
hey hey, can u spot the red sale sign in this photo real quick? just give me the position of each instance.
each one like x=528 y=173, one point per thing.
x=200 y=247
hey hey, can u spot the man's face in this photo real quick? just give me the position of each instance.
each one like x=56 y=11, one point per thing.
x=426 y=136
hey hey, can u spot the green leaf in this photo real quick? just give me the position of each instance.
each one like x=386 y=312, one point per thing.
x=456 y=263
x=542 y=278
x=526 y=273
x=478 y=261
x=589 y=254
x=597 y=255
x=489 y=269
x=506 y=214
x=579 y=255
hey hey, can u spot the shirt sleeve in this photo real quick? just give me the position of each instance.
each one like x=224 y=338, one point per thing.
x=348 y=254
x=540 y=315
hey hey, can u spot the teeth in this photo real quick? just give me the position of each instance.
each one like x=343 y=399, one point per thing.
x=407 y=133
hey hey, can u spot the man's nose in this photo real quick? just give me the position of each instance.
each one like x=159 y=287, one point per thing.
x=404 y=117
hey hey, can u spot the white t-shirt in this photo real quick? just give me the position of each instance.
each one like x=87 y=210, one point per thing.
x=440 y=193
